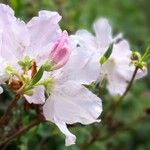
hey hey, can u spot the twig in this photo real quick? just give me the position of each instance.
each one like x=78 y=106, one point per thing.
x=116 y=104
x=19 y=132
x=128 y=87
x=6 y=114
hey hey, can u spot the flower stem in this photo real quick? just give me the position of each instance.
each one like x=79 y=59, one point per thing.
x=6 y=114
x=128 y=87
x=19 y=132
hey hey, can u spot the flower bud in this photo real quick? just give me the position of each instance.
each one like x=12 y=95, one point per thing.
x=136 y=56
x=60 y=51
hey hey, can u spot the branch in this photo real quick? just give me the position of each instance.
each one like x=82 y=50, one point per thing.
x=6 y=114
x=128 y=87
x=117 y=103
x=19 y=132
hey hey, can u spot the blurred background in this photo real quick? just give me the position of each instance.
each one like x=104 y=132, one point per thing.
x=132 y=17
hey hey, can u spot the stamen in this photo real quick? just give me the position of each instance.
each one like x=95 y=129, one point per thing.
x=15 y=85
x=33 y=69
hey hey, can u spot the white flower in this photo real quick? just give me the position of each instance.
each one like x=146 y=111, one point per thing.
x=118 y=68
x=35 y=39
x=41 y=39
x=13 y=35
x=69 y=101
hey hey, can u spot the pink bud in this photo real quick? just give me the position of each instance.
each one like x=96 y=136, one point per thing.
x=60 y=52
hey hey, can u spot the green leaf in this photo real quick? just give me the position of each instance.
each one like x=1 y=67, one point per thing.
x=146 y=54
x=106 y=55
x=102 y=60
x=37 y=76
x=26 y=78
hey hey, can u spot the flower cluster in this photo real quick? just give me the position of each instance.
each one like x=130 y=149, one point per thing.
x=48 y=67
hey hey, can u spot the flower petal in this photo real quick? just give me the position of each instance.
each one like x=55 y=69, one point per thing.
x=13 y=36
x=119 y=69
x=116 y=83
x=121 y=50
x=44 y=30
x=82 y=66
x=85 y=38
x=70 y=138
x=3 y=74
x=122 y=54
x=60 y=52
x=71 y=103
x=103 y=33
x=38 y=96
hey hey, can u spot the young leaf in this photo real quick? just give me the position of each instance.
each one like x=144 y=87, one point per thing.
x=11 y=70
x=106 y=55
x=146 y=54
x=26 y=63
x=37 y=76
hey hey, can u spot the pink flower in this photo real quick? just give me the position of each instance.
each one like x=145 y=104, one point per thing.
x=60 y=52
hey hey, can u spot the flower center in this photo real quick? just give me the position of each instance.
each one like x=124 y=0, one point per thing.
x=30 y=77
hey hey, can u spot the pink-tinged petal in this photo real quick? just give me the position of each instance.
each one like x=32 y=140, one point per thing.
x=82 y=66
x=14 y=35
x=71 y=103
x=60 y=52
x=44 y=32
x=38 y=96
